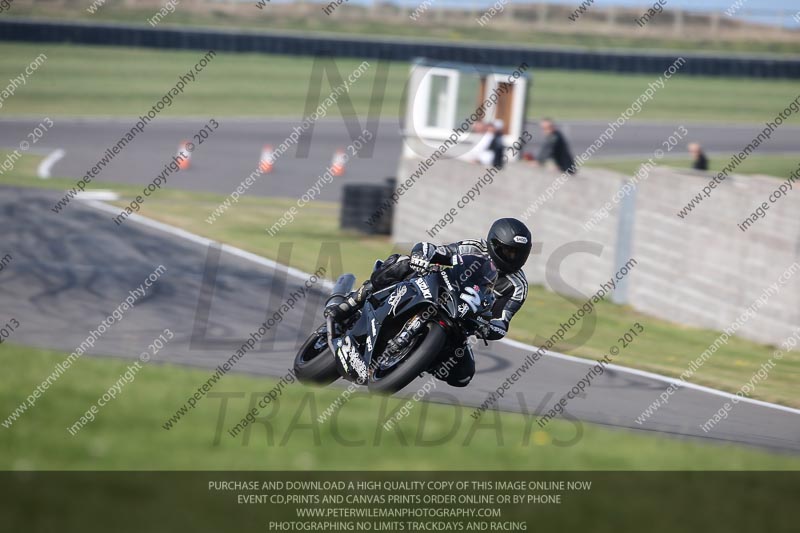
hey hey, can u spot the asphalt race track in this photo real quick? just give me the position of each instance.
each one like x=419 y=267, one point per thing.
x=232 y=152
x=71 y=270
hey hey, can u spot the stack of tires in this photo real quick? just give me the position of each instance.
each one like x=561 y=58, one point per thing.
x=368 y=208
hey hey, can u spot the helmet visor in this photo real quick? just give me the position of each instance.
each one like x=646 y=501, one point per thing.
x=507 y=253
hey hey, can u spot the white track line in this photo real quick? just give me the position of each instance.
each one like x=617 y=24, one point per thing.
x=96 y=194
x=47 y=163
x=299 y=274
x=238 y=252
x=652 y=375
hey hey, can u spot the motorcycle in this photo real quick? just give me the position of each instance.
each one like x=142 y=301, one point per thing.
x=402 y=331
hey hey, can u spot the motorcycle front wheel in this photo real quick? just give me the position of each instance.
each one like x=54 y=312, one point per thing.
x=411 y=362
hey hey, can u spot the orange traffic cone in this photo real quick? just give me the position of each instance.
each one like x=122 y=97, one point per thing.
x=184 y=155
x=338 y=162
x=265 y=165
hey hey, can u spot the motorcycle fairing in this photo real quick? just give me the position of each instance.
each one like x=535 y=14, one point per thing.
x=355 y=348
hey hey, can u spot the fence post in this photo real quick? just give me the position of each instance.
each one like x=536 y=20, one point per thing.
x=715 y=24
x=624 y=247
x=679 y=22
x=543 y=15
x=611 y=17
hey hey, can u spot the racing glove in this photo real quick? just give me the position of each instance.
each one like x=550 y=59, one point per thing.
x=491 y=330
x=482 y=330
x=497 y=329
x=420 y=264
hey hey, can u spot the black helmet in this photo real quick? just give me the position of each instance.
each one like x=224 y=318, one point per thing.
x=509 y=243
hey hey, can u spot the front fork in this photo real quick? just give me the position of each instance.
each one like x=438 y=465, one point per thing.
x=330 y=335
x=411 y=328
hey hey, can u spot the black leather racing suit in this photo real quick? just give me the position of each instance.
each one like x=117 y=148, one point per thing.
x=510 y=292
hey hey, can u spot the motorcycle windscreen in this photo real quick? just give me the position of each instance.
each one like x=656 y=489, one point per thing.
x=476 y=272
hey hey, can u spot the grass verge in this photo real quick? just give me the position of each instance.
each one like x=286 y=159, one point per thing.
x=428 y=25
x=127 y=433
x=99 y=81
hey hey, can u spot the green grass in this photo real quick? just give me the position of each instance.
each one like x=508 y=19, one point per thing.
x=665 y=348
x=97 y=81
x=780 y=166
x=127 y=433
x=427 y=27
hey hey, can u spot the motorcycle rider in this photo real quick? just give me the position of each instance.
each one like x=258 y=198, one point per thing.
x=508 y=244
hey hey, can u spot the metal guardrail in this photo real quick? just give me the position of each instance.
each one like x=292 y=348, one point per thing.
x=395 y=49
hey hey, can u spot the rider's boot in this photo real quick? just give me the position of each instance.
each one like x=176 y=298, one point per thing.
x=351 y=304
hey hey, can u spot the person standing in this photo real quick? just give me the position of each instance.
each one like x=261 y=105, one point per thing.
x=699 y=159
x=496 y=146
x=555 y=147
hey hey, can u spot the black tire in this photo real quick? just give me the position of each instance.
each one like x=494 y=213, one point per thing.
x=413 y=365
x=313 y=366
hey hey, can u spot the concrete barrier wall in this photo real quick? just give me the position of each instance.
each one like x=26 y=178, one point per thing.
x=700 y=271
x=703 y=269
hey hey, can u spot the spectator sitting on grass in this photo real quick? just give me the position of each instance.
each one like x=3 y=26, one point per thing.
x=555 y=147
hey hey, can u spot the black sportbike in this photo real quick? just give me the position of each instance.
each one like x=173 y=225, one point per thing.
x=430 y=316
